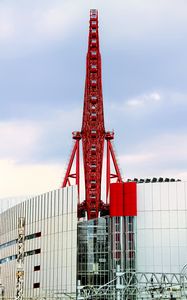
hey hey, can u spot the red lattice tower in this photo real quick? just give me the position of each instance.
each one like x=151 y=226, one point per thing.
x=93 y=135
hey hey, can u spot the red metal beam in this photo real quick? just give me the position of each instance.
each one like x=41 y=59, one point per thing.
x=118 y=173
x=67 y=175
x=76 y=175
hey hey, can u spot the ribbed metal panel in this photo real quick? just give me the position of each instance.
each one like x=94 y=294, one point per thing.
x=51 y=243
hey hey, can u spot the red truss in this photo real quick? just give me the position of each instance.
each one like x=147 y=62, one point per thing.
x=93 y=134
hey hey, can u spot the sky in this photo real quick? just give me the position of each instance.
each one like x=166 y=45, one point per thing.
x=43 y=47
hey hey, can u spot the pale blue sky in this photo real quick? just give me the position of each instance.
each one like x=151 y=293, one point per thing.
x=43 y=47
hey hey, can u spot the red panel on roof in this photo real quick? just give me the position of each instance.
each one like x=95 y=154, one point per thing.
x=116 y=200
x=130 y=202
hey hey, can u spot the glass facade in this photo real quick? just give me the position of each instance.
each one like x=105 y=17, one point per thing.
x=93 y=252
x=106 y=246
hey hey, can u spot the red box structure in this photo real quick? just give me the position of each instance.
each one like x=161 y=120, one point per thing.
x=123 y=199
x=130 y=202
x=116 y=199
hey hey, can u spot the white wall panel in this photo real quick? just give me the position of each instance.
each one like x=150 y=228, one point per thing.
x=162 y=227
x=141 y=220
x=156 y=219
x=173 y=218
x=181 y=219
x=141 y=203
x=164 y=197
x=165 y=219
x=157 y=238
x=181 y=191
x=156 y=197
x=148 y=197
x=173 y=196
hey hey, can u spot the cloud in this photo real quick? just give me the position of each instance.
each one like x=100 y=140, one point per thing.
x=139 y=108
x=33 y=154
x=57 y=20
x=164 y=155
x=6 y=28
x=18 y=139
x=30 y=26
x=33 y=24
x=146 y=20
x=154 y=104
x=28 y=179
x=144 y=99
x=137 y=158
x=43 y=139
x=56 y=139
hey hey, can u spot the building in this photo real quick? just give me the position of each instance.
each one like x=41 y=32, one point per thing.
x=61 y=253
x=49 y=247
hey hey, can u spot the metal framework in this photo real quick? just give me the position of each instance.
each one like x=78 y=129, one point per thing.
x=139 y=285
x=20 y=260
x=93 y=134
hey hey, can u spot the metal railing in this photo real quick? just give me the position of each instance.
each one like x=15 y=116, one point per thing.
x=139 y=285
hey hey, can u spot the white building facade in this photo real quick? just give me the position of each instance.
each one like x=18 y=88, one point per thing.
x=50 y=244
x=161 y=227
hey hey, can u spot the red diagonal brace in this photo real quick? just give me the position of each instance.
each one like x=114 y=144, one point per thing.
x=109 y=175
x=75 y=175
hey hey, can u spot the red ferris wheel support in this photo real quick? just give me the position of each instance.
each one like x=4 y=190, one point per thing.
x=93 y=135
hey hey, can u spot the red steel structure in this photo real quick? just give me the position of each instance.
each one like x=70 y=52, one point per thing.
x=93 y=135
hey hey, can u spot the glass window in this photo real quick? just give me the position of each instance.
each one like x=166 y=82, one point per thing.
x=36 y=285
x=36 y=268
